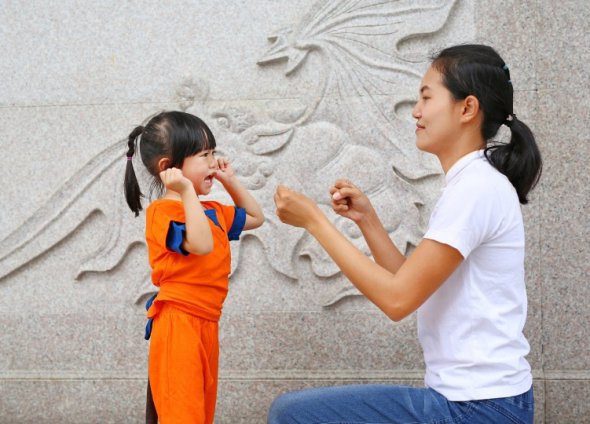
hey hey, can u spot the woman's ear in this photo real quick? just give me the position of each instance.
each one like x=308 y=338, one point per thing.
x=470 y=109
x=163 y=164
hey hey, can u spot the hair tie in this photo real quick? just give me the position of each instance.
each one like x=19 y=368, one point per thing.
x=129 y=157
x=510 y=120
x=506 y=70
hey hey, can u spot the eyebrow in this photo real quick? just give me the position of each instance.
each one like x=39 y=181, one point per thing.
x=425 y=87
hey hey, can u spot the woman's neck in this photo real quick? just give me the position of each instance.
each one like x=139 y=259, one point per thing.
x=466 y=143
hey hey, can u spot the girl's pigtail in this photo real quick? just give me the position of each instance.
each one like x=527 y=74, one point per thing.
x=133 y=193
x=520 y=160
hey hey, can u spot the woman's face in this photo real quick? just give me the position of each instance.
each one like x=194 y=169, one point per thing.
x=437 y=115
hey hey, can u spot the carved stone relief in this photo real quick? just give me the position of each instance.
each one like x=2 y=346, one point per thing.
x=353 y=128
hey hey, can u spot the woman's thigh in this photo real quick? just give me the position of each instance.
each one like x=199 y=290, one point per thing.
x=388 y=404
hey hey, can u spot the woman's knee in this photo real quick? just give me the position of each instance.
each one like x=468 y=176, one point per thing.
x=283 y=409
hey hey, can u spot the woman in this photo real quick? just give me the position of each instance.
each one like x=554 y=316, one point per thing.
x=465 y=278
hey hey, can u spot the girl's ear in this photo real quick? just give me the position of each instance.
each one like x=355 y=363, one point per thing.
x=470 y=109
x=163 y=164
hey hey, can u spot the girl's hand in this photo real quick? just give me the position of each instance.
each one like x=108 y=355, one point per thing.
x=173 y=179
x=295 y=208
x=349 y=201
x=225 y=171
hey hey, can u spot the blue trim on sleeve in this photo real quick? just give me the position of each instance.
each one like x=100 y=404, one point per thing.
x=238 y=224
x=175 y=237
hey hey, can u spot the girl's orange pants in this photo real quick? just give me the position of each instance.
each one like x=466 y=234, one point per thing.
x=183 y=364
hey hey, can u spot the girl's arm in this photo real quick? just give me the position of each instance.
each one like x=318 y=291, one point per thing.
x=397 y=295
x=198 y=238
x=352 y=203
x=239 y=194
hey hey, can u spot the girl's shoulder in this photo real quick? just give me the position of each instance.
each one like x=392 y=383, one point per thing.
x=165 y=204
x=212 y=204
x=167 y=207
x=225 y=215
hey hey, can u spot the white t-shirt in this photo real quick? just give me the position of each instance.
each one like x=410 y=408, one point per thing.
x=471 y=328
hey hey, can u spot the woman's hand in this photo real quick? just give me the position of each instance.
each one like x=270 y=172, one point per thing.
x=295 y=208
x=225 y=171
x=349 y=201
x=173 y=179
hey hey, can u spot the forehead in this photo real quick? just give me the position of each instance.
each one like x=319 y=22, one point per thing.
x=432 y=79
x=207 y=150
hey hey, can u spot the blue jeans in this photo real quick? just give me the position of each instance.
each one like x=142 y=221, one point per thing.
x=387 y=404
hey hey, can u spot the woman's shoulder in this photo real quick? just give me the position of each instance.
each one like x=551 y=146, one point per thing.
x=484 y=186
x=486 y=179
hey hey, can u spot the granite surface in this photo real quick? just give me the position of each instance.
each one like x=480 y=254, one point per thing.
x=286 y=107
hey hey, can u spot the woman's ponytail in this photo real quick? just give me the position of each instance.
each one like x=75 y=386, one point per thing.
x=133 y=193
x=520 y=159
x=478 y=70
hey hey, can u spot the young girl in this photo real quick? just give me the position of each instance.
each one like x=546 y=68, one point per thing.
x=188 y=245
x=466 y=277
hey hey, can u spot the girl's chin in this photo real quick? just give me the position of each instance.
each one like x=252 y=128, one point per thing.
x=204 y=192
x=204 y=189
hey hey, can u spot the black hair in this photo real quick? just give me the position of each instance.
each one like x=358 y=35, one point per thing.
x=478 y=70
x=174 y=135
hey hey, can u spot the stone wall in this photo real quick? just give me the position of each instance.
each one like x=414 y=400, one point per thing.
x=297 y=92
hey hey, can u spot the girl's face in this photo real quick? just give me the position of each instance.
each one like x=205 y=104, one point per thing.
x=200 y=170
x=437 y=115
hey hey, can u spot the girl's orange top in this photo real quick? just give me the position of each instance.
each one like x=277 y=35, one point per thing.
x=196 y=284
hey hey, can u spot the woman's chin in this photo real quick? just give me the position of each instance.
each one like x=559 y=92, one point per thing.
x=421 y=146
x=424 y=146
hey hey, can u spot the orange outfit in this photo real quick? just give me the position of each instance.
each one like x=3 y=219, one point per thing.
x=184 y=348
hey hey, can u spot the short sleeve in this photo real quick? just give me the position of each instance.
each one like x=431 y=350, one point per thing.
x=462 y=218
x=175 y=237
x=238 y=224
x=167 y=229
x=234 y=218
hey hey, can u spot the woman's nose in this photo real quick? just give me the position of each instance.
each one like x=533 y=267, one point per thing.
x=416 y=112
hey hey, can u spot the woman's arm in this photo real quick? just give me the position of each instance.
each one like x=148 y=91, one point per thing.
x=349 y=201
x=397 y=295
x=240 y=195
